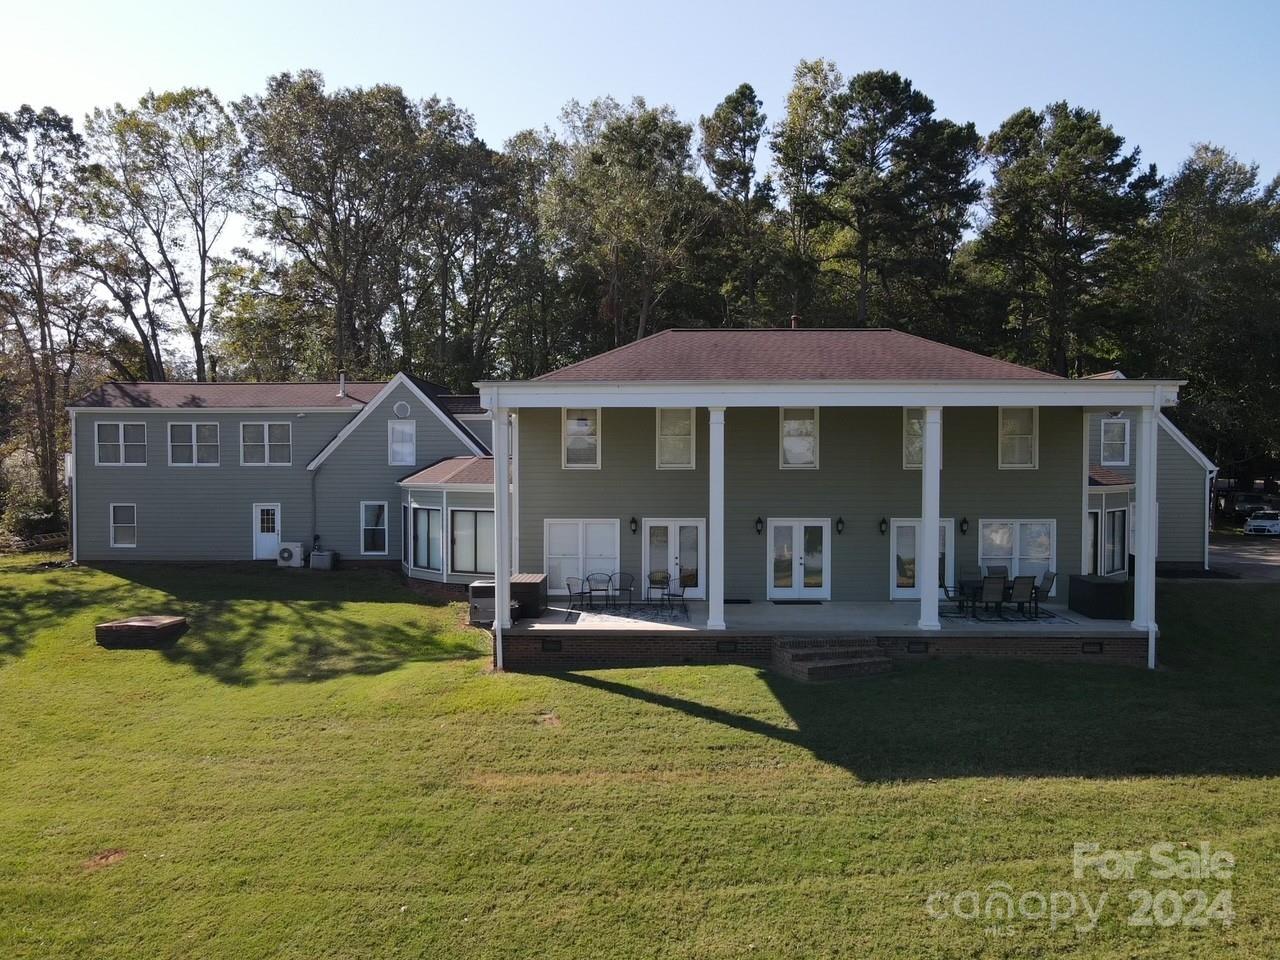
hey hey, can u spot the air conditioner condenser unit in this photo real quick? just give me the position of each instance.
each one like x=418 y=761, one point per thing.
x=289 y=555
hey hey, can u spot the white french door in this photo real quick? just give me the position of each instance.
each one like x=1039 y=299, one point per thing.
x=904 y=541
x=799 y=560
x=675 y=547
x=266 y=531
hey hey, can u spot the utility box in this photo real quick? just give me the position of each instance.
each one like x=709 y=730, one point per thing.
x=324 y=560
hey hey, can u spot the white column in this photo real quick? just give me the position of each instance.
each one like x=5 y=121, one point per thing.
x=515 y=492
x=930 y=495
x=501 y=532
x=1144 y=578
x=715 y=523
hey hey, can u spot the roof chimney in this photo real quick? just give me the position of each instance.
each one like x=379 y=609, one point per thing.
x=342 y=383
x=795 y=321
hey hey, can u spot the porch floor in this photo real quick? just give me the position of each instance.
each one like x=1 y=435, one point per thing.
x=887 y=618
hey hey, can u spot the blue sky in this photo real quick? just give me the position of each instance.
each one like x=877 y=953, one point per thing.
x=1163 y=74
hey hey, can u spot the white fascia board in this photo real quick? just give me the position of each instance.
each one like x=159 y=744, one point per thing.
x=450 y=487
x=1185 y=443
x=398 y=380
x=195 y=412
x=832 y=393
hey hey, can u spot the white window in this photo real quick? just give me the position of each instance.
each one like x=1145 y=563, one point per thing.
x=471 y=541
x=402 y=443
x=428 y=539
x=580 y=438
x=1115 y=443
x=266 y=444
x=576 y=548
x=1026 y=547
x=912 y=438
x=405 y=534
x=193 y=444
x=373 y=527
x=1115 y=544
x=121 y=444
x=676 y=439
x=124 y=524
x=798 y=438
x=1019 y=440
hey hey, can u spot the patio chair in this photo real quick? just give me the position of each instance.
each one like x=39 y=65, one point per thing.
x=992 y=593
x=656 y=586
x=955 y=594
x=577 y=594
x=675 y=594
x=997 y=570
x=1042 y=590
x=623 y=583
x=1024 y=595
x=599 y=584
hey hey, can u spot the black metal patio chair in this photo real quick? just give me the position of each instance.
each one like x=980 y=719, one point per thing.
x=599 y=585
x=675 y=594
x=991 y=595
x=623 y=583
x=656 y=584
x=1023 y=594
x=577 y=595
x=1042 y=590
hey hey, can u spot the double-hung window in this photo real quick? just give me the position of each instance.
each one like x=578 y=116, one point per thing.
x=471 y=542
x=1115 y=443
x=798 y=438
x=373 y=527
x=1026 y=547
x=676 y=439
x=121 y=444
x=124 y=524
x=266 y=444
x=428 y=540
x=580 y=438
x=193 y=444
x=402 y=442
x=1019 y=438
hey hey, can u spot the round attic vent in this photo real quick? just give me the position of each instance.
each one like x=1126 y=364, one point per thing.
x=402 y=409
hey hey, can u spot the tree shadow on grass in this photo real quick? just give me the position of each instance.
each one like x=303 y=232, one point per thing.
x=969 y=718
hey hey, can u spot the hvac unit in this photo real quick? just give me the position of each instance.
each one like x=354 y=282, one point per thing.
x=289 y=555
x=324 y=559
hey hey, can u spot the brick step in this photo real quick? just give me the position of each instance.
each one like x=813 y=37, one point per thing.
x=849 y=652
x=845 y=669
x=843 y=642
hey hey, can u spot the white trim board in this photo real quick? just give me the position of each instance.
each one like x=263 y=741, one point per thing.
x=398 y=380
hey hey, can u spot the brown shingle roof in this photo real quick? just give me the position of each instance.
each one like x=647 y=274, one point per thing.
x=806 y=354
x=1102 y=477
x=455 y=470
x=228 y=395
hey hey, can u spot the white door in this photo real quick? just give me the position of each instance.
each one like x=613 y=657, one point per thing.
x=675 y=547
x=266 y=531
x=904 y=540
x=799 y=560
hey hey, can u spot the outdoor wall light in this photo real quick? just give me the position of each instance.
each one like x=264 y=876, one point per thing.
x=839 y=524
x=964 y=526
x=884 y=526
x=759 y=525
x=634 y=525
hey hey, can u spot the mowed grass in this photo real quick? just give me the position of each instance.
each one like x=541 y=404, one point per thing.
x=323 y=767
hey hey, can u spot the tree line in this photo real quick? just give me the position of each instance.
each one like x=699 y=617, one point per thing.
x=303 y=230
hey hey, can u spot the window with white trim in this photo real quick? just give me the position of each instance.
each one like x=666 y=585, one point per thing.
x=193 y=445
x=1019 y=438
x=912 y=438
x=120 y=444
x=402 y=443
x=576 y=548
x=798 y=438
x=580 y=438
x=1115 y=443
x=428 y=539
x=124 y=524
x=471 y=541
x=266 y=444
x=405 y=538
x=675 y=438
x=373 y=527
x=1115 y=543
x=1026 y=547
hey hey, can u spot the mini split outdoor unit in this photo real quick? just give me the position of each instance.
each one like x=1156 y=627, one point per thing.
x=289 y=555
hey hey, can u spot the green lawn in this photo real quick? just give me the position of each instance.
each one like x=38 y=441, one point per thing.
x=323 y=768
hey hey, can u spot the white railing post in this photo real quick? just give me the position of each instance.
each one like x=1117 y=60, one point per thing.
x=1144 y=579
x=927 y=549
x=715 y=523
x=501 y=532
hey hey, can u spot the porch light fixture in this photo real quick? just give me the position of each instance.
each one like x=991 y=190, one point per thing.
x=634 y=525
x=759 y=525
x=839 y=524
x=884 y=526
x=964 y=526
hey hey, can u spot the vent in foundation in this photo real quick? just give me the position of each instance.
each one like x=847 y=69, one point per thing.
x=726 y=646
x=1091 y=646
x=550 y=644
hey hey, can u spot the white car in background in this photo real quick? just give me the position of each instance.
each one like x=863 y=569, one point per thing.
x=1265 y=522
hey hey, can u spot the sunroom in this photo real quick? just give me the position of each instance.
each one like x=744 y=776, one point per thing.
x=447 y=519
